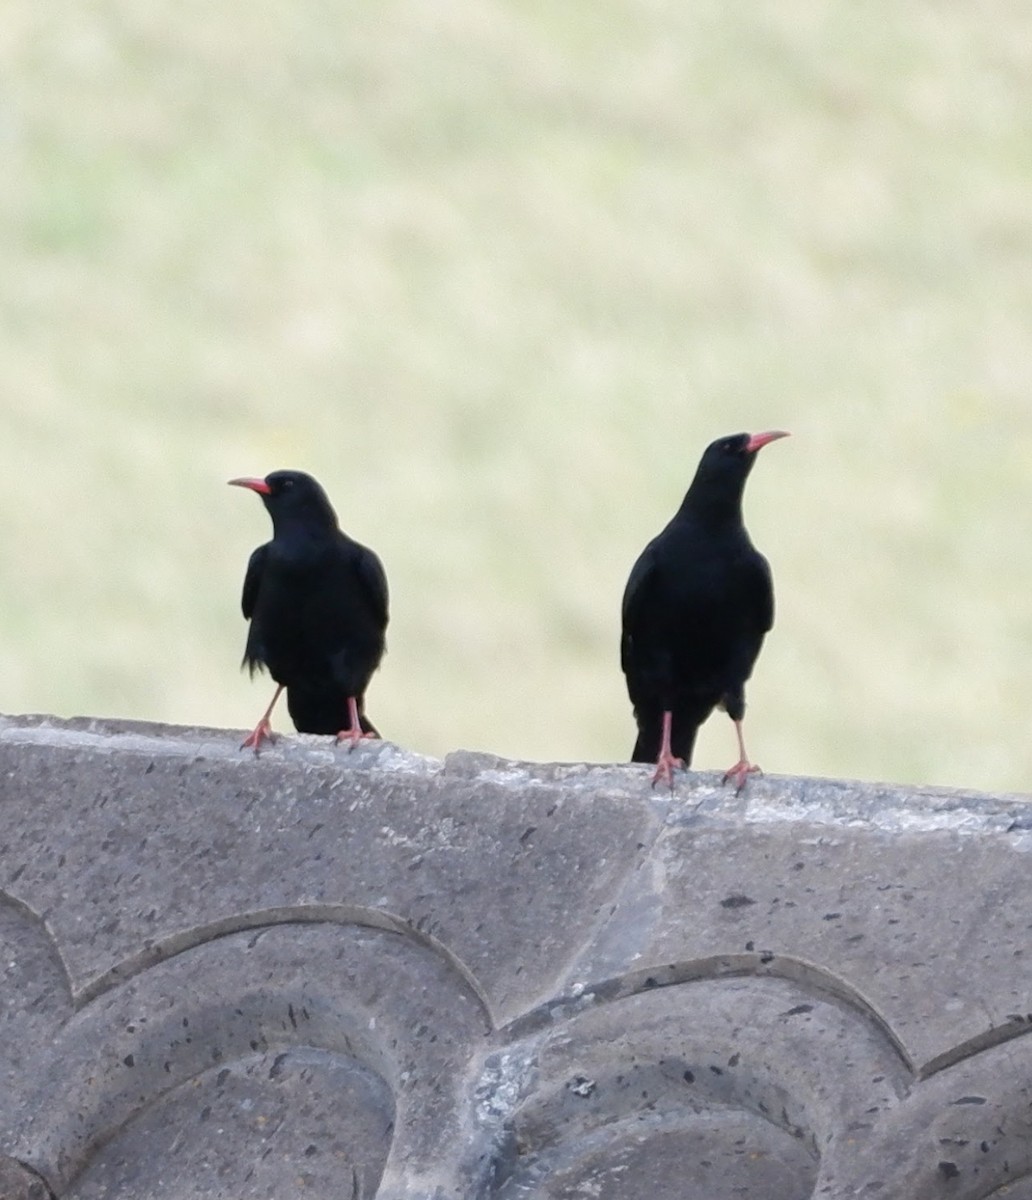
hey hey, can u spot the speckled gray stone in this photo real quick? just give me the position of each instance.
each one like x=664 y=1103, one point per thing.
x=17 y=1182
x=374 y=974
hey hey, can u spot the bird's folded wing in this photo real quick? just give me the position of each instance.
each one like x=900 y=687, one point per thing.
x=373 y=580
x=253 y=580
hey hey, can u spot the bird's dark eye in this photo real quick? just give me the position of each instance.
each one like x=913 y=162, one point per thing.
x=288 y=483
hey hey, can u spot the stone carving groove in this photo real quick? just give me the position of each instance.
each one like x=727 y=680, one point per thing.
x=365 y=975
x=351 y=994
x=723 y=967
x=322 y=914
x=791 y=1066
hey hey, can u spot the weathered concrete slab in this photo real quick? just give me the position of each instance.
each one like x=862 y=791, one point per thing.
x=377 y=974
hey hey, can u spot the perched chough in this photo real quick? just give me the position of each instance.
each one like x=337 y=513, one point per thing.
x=317 y=603
x=697 y=605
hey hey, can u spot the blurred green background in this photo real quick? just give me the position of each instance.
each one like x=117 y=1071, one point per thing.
x=496 y=272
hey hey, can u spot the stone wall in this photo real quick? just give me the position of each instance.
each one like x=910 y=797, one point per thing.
x=324 y=974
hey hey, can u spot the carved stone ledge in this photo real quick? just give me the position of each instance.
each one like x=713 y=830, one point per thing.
x=375 y=974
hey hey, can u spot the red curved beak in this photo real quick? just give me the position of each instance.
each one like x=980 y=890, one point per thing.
x=759 y=440
x=256 y=485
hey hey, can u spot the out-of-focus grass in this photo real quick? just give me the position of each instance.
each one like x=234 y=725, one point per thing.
x=496 y=273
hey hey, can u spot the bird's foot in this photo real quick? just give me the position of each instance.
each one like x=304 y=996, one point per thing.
x=354 y=736
x=665 y=765
x=262 y=732
x=740 y=772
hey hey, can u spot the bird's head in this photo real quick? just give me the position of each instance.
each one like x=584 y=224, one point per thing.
x=292 y=498
x=724 y=468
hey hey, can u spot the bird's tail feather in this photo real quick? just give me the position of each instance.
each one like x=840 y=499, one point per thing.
x=642 y=746
x=324 y=710
x=253 y=663
x=368 y=726
x=683 y=729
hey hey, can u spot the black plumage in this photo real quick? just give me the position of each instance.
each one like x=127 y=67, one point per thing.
x=317 y=602
x=696 y=608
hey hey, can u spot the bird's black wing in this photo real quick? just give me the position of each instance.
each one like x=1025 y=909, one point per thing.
x=253 y=580
x=635 y=600
x=757 y=609
x=646 y=659
x=761 y=593
x=756 y=614
x=372 y=579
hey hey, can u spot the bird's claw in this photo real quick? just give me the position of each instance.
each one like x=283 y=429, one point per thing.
x=262 y=732
x=740 y=772
x=354 y=736
x=665 y=765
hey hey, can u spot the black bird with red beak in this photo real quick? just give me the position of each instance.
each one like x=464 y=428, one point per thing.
x=696 y=608
x=317 y=603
